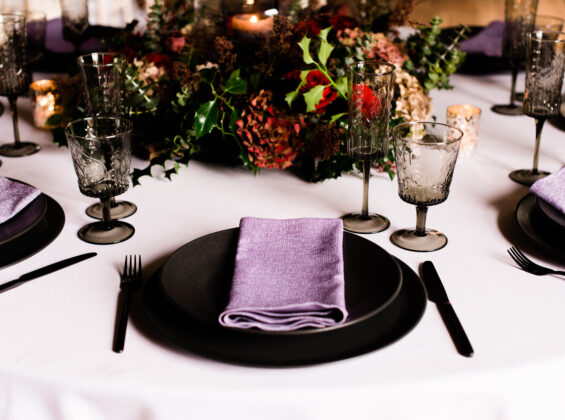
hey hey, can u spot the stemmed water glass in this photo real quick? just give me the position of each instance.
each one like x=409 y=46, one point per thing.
x=74 y=14
x=425 y=153
x=542 y=98
x=369 y=85
x=518 y=21
x=103 y=76
x=14 y=76
x=101 y=152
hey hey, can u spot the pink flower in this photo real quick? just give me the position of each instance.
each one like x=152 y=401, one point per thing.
x=175 y=42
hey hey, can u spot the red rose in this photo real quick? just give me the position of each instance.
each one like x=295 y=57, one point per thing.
x=314 y=78
x=328 y=97
x=309 y=28
x=160 y=60
x=366 y=100
x=340 y=22
x=175 y=42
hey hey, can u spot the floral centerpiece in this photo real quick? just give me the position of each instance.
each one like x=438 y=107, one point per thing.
x=278 y=101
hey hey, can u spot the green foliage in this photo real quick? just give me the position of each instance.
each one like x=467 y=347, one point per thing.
x=431 y=60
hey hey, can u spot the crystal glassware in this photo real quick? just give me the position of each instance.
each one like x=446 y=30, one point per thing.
x=369 y=88
x=103 y=77
x=519 y=19
x=36 y=25
x=74 y=14
x=101 y=152
x=542 y=99
x=14 y=76
x=426 y=153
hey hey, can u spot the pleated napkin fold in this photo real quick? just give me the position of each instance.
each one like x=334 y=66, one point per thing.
x=288 y=275
x=551 y=189
x=14 y=197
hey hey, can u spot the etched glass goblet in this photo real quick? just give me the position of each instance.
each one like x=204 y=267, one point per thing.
x=425 y=153
x=369 y=88
x=74 y=14
x=519 y=19
x=542 y=99
x=103 y=77
x=14 y=76
x=101 y=152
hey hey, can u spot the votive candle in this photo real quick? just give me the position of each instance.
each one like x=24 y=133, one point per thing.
x=45 y=102
x=466 y=118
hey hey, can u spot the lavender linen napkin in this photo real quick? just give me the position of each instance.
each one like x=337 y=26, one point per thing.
x=14 y=196
x=487 y=42
x=288 y=275
x=551 y=189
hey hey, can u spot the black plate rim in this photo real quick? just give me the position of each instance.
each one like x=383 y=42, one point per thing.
x=304 y=331
x=551 y=213
x=525 y=210
x=37 y=238
x=411 y=313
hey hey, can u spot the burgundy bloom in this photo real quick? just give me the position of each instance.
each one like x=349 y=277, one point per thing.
x=308 y=27
x=366 y=100
x=340 y=22
x=317 y=78
x=160 y=60
x=175 y=42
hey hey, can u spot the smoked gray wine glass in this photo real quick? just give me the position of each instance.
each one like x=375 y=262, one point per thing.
x=519 y=19
x=74 y=14
x=101 y=152
x=103 y=78
x=14 y=76
x=369 y=89
x=425 y=153
x=545 y=67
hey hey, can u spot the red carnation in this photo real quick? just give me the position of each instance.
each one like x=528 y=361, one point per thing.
x=366 y=100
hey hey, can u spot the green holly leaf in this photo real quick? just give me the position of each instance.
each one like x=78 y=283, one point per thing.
x=234 y=116
x=206 y=118
x=324 y=52
x=323 y=35
x=305 y=47
x=290 y=97
x=313 y=97
x=235 y=84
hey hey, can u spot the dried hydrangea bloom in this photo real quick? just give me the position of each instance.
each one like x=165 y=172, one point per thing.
x=411 y=100
x=374 y=45
x=271 y=137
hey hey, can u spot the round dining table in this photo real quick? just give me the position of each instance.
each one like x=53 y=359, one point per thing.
x=56 y=358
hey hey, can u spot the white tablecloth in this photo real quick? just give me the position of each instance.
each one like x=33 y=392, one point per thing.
x=56 y=360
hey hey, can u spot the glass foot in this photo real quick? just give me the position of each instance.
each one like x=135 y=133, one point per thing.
x=527 y=176
x=23 y=148
x=358 y=223
x=508 y=109
x=120 y=210
x=407 y=239
x=99 y=234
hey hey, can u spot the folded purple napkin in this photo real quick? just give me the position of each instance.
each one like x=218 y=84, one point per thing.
x=288 y=275
x=488 y=41
x=551 y=189
x=14 y=196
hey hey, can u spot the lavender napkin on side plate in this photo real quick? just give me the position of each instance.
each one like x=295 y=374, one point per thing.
x=551 y=189
x=288 y=275
x=14 y=197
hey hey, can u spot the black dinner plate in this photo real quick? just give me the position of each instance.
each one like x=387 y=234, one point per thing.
x=366 y=330
x=551 y=213
x=25 y=220
x=537 y=228
x=35 y=239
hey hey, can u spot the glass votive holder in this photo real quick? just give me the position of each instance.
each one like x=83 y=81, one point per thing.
x=466 y=118
x=46 y=104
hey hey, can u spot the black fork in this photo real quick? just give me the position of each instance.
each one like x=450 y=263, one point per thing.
x=528 y=265
x=130 y=280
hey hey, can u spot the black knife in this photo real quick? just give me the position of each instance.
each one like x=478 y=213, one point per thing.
x=438 y=295
x=45 y=270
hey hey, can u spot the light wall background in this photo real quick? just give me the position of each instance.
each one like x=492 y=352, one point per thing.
x=453 y=12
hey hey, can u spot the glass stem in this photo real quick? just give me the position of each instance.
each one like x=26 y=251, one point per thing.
x=14 y=113
x=113 y=202
x=539 y=127
x=514 y=66
x=366 y=174
x=106 y=217
x=421 y=213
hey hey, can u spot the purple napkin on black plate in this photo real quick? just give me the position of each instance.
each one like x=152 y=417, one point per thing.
x=551 y=189
x=488 y=41
x=288 y=275
x=14 y=197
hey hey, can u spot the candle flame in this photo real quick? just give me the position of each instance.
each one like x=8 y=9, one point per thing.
x=253 y=19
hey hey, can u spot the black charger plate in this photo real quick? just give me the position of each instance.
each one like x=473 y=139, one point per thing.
x=368 y=328
x=37 y=237
x=536 y=226
x=24 y=221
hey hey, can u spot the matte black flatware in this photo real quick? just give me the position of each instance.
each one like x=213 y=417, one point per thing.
x=130 y=280
x=45 y=270
x=528 y=265
x=438 y=295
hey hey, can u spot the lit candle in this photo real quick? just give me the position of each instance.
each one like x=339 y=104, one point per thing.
x=466 y=118
x=251 y=24
x=44 y=97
